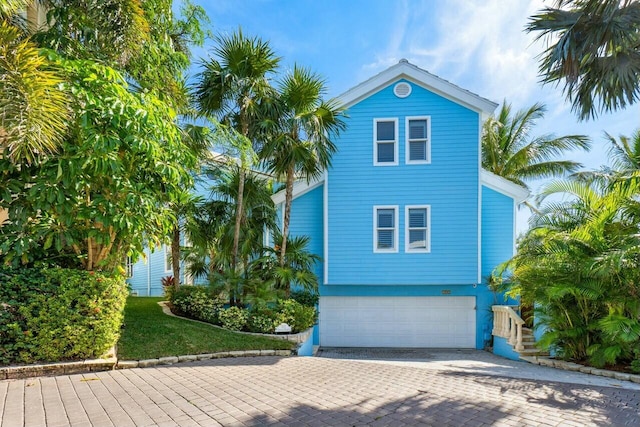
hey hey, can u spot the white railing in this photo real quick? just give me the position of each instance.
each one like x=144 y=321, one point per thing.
x=508 y=324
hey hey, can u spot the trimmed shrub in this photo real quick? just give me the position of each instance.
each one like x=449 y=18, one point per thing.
x=54 y=314
x=261 y=319
x=196 y=302
x=296 y=315
x=233 y=318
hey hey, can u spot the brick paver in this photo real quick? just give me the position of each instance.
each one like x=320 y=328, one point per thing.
x=308 y=392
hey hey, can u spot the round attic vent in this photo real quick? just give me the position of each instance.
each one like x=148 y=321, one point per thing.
x=402 y=90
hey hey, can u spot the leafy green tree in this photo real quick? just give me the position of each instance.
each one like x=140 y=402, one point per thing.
x=108 y=191
x=578 y=264
x=231 y=86
x=510 y=150
x=299 y=145
x=594 y=49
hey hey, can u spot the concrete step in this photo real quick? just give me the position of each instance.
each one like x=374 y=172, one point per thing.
x=532 y=352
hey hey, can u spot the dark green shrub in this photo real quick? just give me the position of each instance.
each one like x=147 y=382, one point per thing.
x=305 y=297
x=53 y=314
x=197 y=302
x=296 y=315
x=233 y=318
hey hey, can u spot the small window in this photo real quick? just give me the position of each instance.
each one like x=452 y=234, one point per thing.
x=385 y=232
x=417 y=229
x=418 y=144
x=385 y=142
x=168 y=265
x=129 y=267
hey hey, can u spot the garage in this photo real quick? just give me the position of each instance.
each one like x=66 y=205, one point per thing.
x=433 y=322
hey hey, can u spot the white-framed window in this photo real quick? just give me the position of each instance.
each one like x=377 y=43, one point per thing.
x=385 y=142
x=385 y=229
x=418 y=140
x=129 y=267
x=417 y=234
x=168 y=265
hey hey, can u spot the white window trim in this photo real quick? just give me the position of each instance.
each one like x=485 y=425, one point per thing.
x=395 y=142
x=406 y=229
x=406 y=146
x=129 y=267
x=167 y=252
x=395 y=229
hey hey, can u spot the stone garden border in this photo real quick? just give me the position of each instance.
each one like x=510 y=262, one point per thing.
x=570 y=366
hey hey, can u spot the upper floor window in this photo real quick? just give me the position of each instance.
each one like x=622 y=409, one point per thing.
x=385 y=142
x=417 y=228
x=385 y=230
x=418 y=135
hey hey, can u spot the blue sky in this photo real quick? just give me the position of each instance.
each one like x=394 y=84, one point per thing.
x=478 y=45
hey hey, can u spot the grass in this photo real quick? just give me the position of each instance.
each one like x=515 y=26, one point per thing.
x=149 y=333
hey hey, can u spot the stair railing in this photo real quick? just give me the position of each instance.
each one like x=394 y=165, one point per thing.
x=508 y=324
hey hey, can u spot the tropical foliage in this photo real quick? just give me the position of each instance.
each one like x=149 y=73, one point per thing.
x=298 y=144
x=579 y=265
x=593 y=49
x=510 y=149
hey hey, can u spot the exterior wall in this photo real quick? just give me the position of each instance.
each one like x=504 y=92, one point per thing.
x=449 y=185
x=502 y=348
x=148 y=274
x=306 y=219
x=497 y=230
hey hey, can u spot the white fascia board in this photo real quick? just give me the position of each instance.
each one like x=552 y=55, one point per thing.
x=431 y=82
x=299 y=188
x=503 y=186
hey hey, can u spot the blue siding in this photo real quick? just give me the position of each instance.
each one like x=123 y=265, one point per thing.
x=306 y=220
x=497 y=230
x=148 y=273
x=449 y=185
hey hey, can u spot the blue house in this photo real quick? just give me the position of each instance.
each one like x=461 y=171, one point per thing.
x=408 y=224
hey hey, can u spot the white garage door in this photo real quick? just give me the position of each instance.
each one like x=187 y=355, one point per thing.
x=445 y=322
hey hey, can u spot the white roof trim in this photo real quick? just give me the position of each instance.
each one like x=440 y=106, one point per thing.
x=504 y=186
x=408 y=71
x=299 y=188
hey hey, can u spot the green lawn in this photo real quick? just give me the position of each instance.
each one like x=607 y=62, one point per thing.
x=149 y=333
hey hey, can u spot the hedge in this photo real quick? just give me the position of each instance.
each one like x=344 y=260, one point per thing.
x=55 y=314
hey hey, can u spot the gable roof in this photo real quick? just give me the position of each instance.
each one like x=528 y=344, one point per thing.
x=300 y=187
x=405 y=70
x=504 y=186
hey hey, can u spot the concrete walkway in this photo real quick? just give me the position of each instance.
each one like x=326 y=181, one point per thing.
x=470 y=390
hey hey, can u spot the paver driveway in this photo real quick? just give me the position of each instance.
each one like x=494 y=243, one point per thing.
x=309 y=391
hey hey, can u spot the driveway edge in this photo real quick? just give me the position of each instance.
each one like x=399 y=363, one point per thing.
x=570 y=366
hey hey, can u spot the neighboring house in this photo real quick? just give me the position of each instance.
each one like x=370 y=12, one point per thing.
x=408 y=224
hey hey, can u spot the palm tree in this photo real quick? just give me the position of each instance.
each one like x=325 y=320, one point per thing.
x=510 y=151
x=212 y=230
x=232 y=87
x=33 y=108
x=578 y=263
x=300 y=145
x=594 y=47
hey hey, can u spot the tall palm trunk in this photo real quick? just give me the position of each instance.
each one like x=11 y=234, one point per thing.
x=288 y=200
x=239 y=208
x=175 y=256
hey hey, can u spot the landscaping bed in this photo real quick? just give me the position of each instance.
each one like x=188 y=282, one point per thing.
x=149 y=333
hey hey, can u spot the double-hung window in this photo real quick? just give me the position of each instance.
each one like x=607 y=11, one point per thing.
x=385 y=142
x=385 y=230
x=418 y=134
x=129 y=266
x=417 y=228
